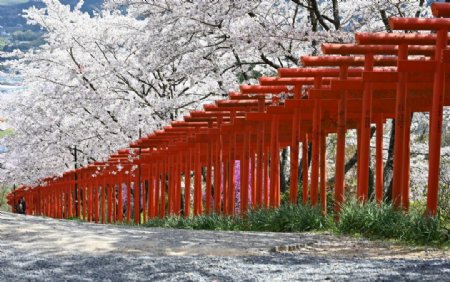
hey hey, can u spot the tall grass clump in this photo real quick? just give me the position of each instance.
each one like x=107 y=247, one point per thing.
x=287 y=218
x=369 y=220
x=203 y=222
x=384 y=222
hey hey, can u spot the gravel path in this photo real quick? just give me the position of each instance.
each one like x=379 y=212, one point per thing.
x=35 y=248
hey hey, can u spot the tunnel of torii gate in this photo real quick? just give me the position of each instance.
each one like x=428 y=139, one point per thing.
x=352 y=86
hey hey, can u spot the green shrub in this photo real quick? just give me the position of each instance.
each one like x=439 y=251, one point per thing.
x=444 y=202
x=369 y=220
x=288 y=218
x=384 y=222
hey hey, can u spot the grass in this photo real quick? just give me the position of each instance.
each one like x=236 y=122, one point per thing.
x=3 y=193
x=287 y=218
x=384 y=222
x=6 y=132
x=370 y=220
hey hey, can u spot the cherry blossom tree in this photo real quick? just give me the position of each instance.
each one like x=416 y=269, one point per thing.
x=139 y=64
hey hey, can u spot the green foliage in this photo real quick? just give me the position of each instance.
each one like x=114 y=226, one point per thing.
x=3 y=43
x=26 y=35
x=6 y=132
x=3 y=193
x=370 y=220
x=284 y=197
x=384 y=222
x=444 y=203
x=330 y=202
x=211 y=222
x=288 y=218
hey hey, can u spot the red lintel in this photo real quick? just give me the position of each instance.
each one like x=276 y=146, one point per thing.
x=189 y=124
x=316 y=72
x=354 y=49
x=419 y=24
x=314 y=61
x=384 y=38
x=262 y=89
x=440 y=9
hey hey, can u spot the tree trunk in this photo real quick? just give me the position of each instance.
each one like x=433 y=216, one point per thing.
x=389 y=166
x=300 y=167
x=371 y=184
x=283 y=170
x=352 y=161
x=337 y=20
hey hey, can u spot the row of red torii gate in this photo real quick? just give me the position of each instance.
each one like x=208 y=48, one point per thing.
x=353 y=86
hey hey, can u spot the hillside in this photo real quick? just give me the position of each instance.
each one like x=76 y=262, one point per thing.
x=14 y=31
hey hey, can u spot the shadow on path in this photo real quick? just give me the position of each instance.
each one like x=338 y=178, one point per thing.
x=35 y=248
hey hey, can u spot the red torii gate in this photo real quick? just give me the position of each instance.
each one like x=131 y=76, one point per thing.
x=329 y=94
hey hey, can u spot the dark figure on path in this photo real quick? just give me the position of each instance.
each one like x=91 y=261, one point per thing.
x=22 y=206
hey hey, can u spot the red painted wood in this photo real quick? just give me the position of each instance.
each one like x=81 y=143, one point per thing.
x=328 y=95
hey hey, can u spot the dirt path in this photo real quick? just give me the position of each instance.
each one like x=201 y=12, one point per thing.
x=47 y=249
